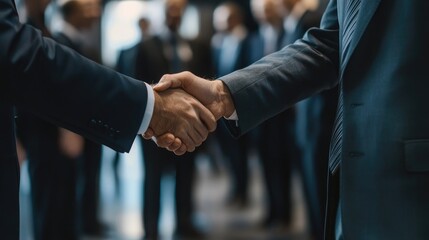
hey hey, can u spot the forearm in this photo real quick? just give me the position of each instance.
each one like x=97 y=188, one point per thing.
x=69 y=90
x=278 y=81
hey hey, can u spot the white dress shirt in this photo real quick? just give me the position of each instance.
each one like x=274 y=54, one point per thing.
x=149 y=110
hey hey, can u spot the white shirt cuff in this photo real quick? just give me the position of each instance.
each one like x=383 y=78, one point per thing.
x=149 y=110
x=233 y=116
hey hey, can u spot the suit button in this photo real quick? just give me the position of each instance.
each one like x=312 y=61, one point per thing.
x=355 y=105
x=93 y=123
x=112 y=132
x=106 y=129
x=355 y=154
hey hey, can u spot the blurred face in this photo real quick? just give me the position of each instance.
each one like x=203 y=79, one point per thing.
x=220 y=18
x=144 y=25
x=91 y=10
x=87 y=13
x=173 y=13
x=44 y=4
x=226 y=18
x=289 y=4
x=269 y=11
x=36 y=7
x=272 y=10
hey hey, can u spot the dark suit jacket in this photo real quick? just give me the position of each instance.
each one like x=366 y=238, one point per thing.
x=152 y=63
x=384 y=175
x=39 y=75
x=126 y=63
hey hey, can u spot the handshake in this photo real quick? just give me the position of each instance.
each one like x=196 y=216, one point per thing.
x=186 y=110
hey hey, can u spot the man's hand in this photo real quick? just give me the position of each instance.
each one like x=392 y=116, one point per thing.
x=213 y=94
x=180 y=121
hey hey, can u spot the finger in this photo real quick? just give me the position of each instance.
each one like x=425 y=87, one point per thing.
x=195 y=136
x=167 y=81
x=181 y=150
x=199 y=133
x=148 y=134
x=202 y=131
x=165 y=140
x=175 y=145
x=191 y=147
x=187 y=140
x=208 y=118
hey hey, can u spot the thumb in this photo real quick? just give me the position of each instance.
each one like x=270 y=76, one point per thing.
x=148 y=134
x=167 y=81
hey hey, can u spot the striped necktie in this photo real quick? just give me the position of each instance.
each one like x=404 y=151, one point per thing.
x=352 y=10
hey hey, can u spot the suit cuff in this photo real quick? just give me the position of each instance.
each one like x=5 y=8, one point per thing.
x=149 y=110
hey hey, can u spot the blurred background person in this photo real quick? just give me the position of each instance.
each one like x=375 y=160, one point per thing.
x=229 y=54
x=126 y=64
x=168 y=52
x=276 y=137
x=314 y=121
x=80 y=16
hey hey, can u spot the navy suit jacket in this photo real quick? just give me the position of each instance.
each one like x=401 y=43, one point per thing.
x=127 y=59
x=44 y=78
x=384 y=173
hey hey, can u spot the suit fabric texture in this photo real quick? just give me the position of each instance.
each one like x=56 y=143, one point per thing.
x=43 y=77
x=384 y=171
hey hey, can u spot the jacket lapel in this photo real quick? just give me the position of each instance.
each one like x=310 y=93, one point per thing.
x=367 y=10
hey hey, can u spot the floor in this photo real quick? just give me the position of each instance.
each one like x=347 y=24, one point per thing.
x=122 y=210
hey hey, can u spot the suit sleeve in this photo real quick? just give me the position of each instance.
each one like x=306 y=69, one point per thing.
x=276 y=82
x=62 y=87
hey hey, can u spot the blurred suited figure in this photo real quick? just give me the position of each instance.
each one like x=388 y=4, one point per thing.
x=126 y=64
x=53 y=154
x=35 y=11
x=157 y=55
x=300 y=15
x=228 y=44
x=276 y=139
x=314 y=121
x=80 y=15
x=229 y=54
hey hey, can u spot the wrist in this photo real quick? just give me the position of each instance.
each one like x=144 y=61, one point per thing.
x=157 y=111
x=225 y=99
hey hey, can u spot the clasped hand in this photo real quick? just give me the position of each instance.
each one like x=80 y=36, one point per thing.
x=186 y=110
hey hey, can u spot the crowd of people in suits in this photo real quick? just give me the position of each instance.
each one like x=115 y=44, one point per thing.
x=65 y=167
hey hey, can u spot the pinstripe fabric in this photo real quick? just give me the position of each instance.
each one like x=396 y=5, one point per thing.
x=352 y=10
